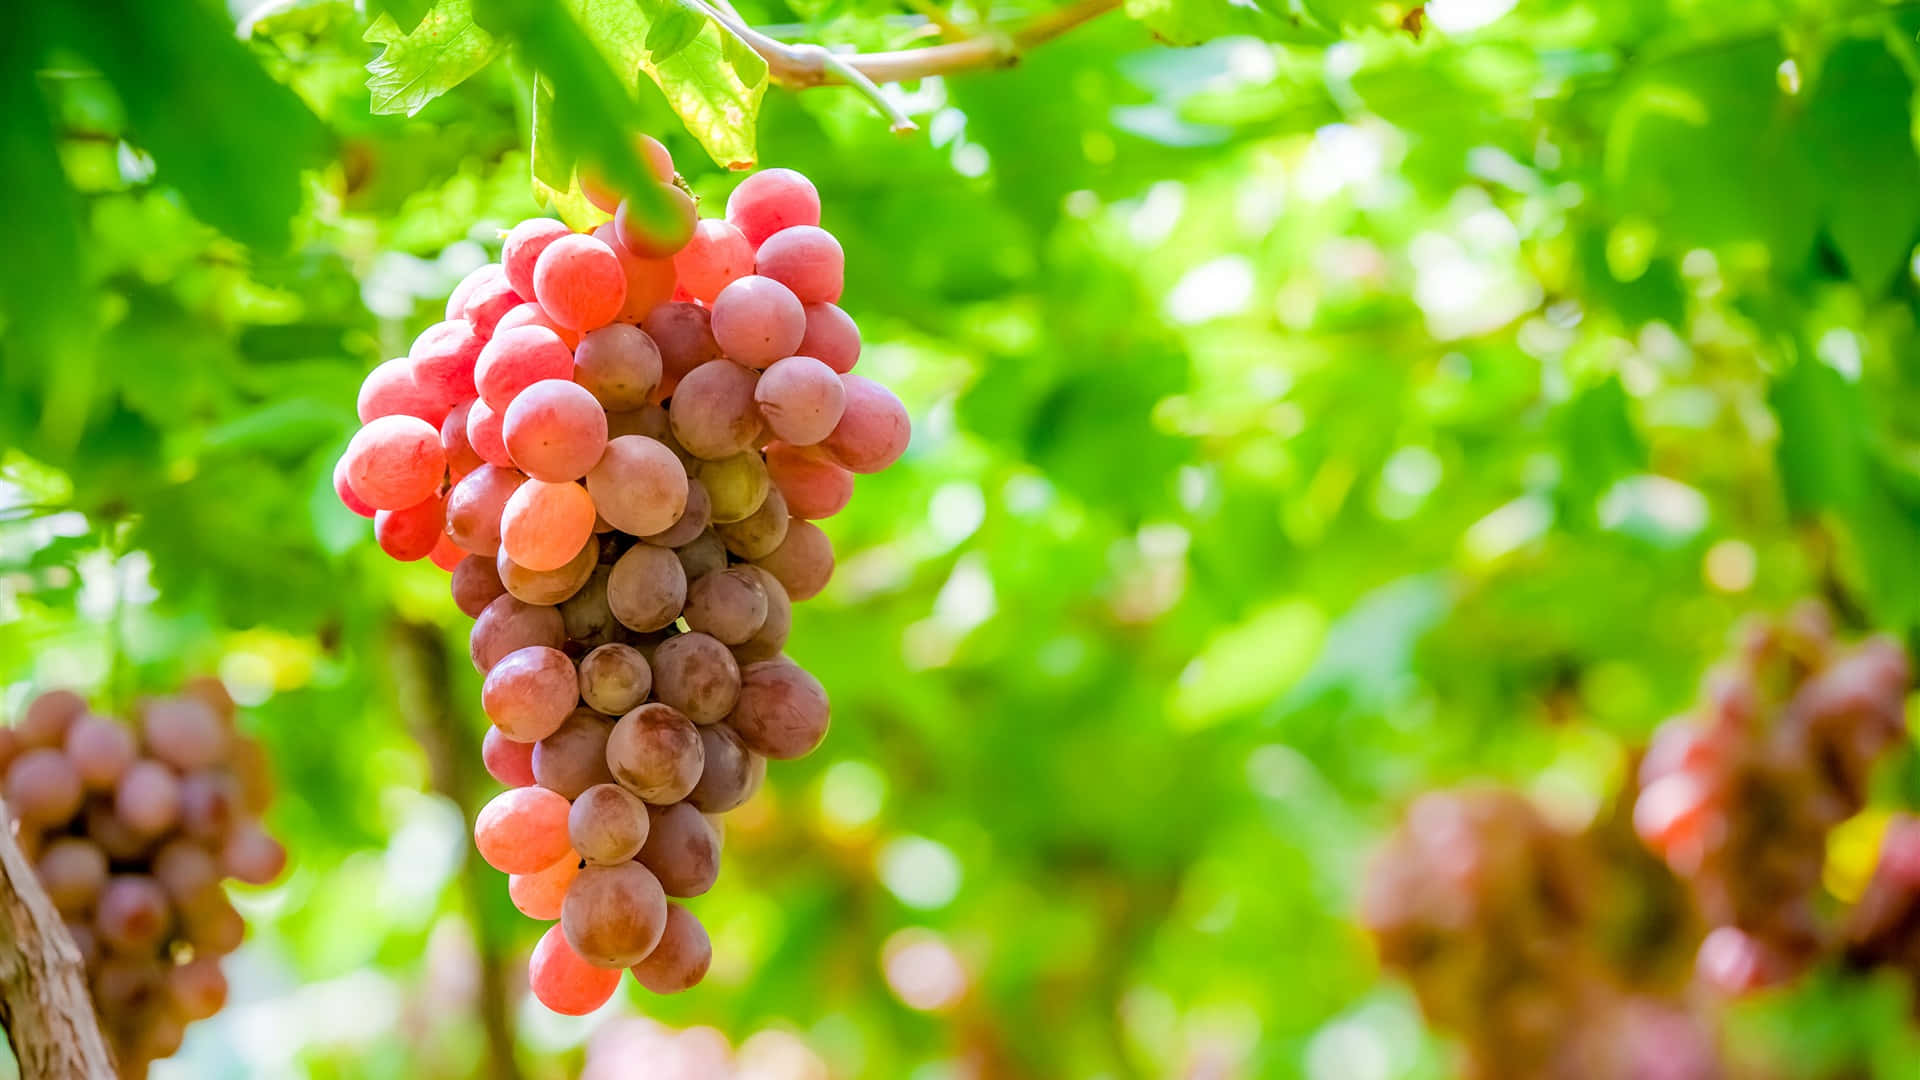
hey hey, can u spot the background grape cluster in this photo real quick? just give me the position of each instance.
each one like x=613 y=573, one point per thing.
x=619 y=444
x=131 y=827
x=1556 y=952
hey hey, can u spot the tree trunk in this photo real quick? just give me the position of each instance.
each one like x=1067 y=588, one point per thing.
x=44 y=1003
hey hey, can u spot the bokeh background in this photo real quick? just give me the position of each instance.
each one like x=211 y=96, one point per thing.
x=1350 y=401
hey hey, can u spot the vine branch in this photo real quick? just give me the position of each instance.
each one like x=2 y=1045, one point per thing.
x=43 y=986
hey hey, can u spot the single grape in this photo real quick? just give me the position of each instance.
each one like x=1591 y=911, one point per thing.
x=772 y=200
x=701 y=556
x=682 y=850
x=654 y=752
x=657 y=240
x=395 y=462
x=522 y=249
x=532 y=314
x=74 y=870
x=801 y=398
x=683 y=332
x=48 y=718
x=574 y=758
x=728 y=605
x=347 y=498
x=615 y=679
x=199 y=989
x=462 y=458
x=714 y=414
x=507 y=760
x=549 y=586
x=446 y=554
x=803 y=562
x=732 y=773
x=811 y=486
x=586 y=614
x=457 y=300
x=757 y=320
x=759 y=533
x=619 y=365
x=100 y=751
x=213 y=926
x=614 y=915
x=806 y=259
x=692 y=521
x=736 y=486
x=656 y=159
x=682 y=957
x=508 y=624
x=697 y=675
x=210 y=805
x=530 y=692
x=443 y=357
x=716 y=254
x=638 y=485
x=522 y=830
x=539 y=895
x=555 y=430
x=607 y=824
x=564 y=982
x=476 y=583
x=579 y=281
x=475 y=505
x=782 y=711
x=516 y=359
x=650 y=282
x=392 y=389
x=491 y=297
x=133 y=915
x=185 y=734
x=873 y=431
x=486 y=434
x=546 y=524
x=411 y=534
x=647 y=588
x=252 y=856
x=43 y=788
x=767 y=642
x=832 y=337
x=187 y=872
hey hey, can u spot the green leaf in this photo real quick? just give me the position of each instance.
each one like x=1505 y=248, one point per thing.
x=713 y=91
x=42 y=292
x=446 y=49
x=1860 y=146
x=1190 y=22
x=674 y=30
x=1822 y=452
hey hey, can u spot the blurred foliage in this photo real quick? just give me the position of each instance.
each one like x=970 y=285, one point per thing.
x=1361 y=400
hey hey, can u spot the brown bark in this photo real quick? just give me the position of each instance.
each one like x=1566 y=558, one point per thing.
x=44 y=1003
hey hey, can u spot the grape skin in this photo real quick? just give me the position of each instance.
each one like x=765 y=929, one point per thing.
x=614 y=915
x=731 y=774
x=579 y=281
x=697 y=675
x=73 y=871
x=548 y=586
x=474 y=507
x=476 y=583
x=638 y=485
x=522 y=830
x=532 y=314
x=801 y=398
x=682 y=850
x=486 y=434
x=607 y=825
x=812 y=486
x=647 y=588
x=411 y=534
x=650 y=282
x=546 y=524
x=462 y=458
x=714 y=414
x=574 y=757
x=682 y=957
x=736 y=486
x=442 y=358
x=759 y=533
x=539 y=895
x=615 y=679
x=395 y=462
x=530 y=693
x=874 y=429
x=757 y=320
x=619 y=365
x=716 y=254
x=782 y=711
x=133 y=915
x=393 y=389
x=563 y=981
x=43 y=789
x=701 y=556
x=683 y=332
x=507 y=760
x=99 y=750
x=657 y=240
x=555 y=430
x=588 y=619
x=655 y=753
x=693 y=519
x=728 y=605
x=803 y=562
x=806 y=259
x=516 y=359
x=507 y=625
x=490 y=297
x=767 y=642
x=522 y=248
x=832 y=337
x=771 y=200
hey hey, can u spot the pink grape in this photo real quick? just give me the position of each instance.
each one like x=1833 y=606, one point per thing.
x=684 y=335
x=539 y=895
x=832 y=337
x=647 y=588
x=185 y=733
x=555 y=430
x=147 y=799
x=615 y=679
x=43 y=788
x=100 y=750
x=619 y=365
x=806 y=259
x=730 y=773
x=574 y=757
x=588 y=618
x=410 y=535
x=516 y=359
x=757 y=320
x=873 y=431
x=695 y=674
x=133 y=915
x=74 y=870
x=614 y=915
x=198 y=988
x=393 y=390
x=476 y=583
x=579 y=281
x=650 y=282
x=507 y=625
x=532 y=314
x=507 y=761
x=474 y=507
x=682 y=957
x=457 y=300
x=702 y=555
x=565 y=983
x=522 y=830
x=188 y=872
x=654 y=751
x=652 y=155
x=801 y=398
x=48 y=717
x=347 y=498
x=713 y=412
x=608 y=824
x=682 y=850
x=462 y=458
x=530 y=692
x=491 y=297
x=782 y=712
x=522 y=249
x=395 y=462
x=443 y=357
x=693 y=520
x=638 y=485
x=717 y=253
x=803 y=562
x=657 y=240
x=729 y=604
x=485 y=434
x=548 y=586
x=813 y=486
x=545 y=524
x=772 y=200
x=252 y=856
x=446 y=554
x=772 y=636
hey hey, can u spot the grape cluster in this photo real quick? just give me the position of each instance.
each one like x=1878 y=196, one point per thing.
x=619 y=444
x=634 y=1048
x=1739 y=796
x=131 y=829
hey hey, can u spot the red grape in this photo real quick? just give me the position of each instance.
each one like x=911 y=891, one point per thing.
x=655 y=753
x=491 y=297
x=43 y=788
x=133 y=915
x=772 y=200
x=717 y=253
x=100 y=750
x=650 y=282
x=252 y=856
x=446 y=554
x=522 y=249
x=475 y=505
x=74 y=870
x=516 y=359
x=614 y=915
x=812 y=486
x=548 y=586
x=731 y=772
x=682 y=850
x=507 y=761
x=682 y=957
x=657 y=240
x=728 y=605
x=832 y=337
x=507 y=625
x=347 y=498
x=607 y=825
x=772 y=635
x=615 y=678
x=476 y=583
x=874 y=430
x=462 y=458
x=555 y=430
x=683 y=332
x=443 y=357
x=757 y=320
x=736 y=486
x=484 y=434
x=579 y=281
x=522 y=830
x=392 y=389
x=395 y=462
x=806 y=259
x=574 y=757
x=545 y=524
x=532 y=314
x=619 y=365
x=530 y=692
x=647 y=588
x=540 y=894
x=696 y=675
x=782 y=712
x=638 y=485
x=409 y=535
x=564 y=982
x=801 y=398
x=803 y=562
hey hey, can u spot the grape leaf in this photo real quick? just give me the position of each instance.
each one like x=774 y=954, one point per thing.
x=553 y=182
x=1190 y=22
x=674 y=30
x=712 y=92
x=445 y=50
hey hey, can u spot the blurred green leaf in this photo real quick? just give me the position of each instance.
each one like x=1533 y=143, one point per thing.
x=717 y=100
x=445 y=49
x=675 y=27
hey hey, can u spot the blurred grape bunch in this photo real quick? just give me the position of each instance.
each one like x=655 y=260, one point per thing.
x=637 y=1049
